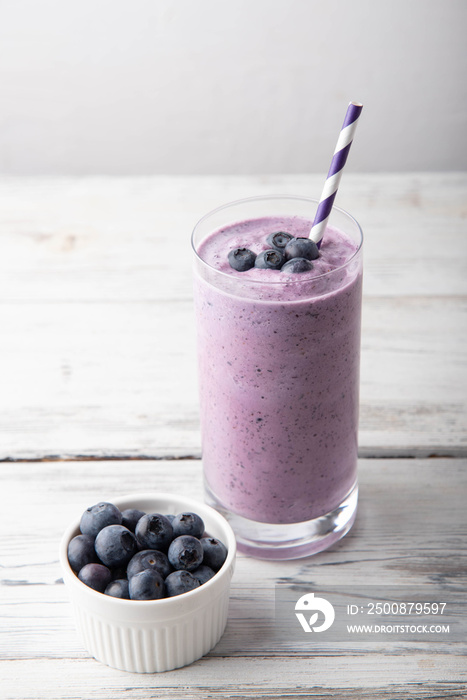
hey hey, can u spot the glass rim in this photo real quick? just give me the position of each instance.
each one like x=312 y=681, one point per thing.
x=247 y=200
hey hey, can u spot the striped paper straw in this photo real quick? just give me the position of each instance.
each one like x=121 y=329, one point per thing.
x=335 y=171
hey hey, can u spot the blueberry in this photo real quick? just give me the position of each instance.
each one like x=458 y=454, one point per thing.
x=81 y=552
x=154 y=531
x=279 y=239
x=269 y=259
x=179 y=582
x=215 y=552
x=203 y=573
x=297 y=265
x=301 y=248
x=188 y=524
x=147 y=585
x=99 y=516
x=118 y=572
x=149 y=559
x=115 y=545
x=185 y=552
x=170 y=517
x=241 y=259
x=130 y=517
x=118 y=588
x=95 y=576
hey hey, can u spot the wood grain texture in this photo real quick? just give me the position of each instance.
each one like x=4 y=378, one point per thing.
x=99 y=361
x=98 y=351
x=410 y=531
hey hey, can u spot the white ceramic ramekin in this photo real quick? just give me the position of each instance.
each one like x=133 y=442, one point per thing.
x=154 y=635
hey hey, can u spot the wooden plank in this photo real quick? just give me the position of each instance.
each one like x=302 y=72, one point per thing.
x=102 y=379
x=41 y=657
x=414 y=228
x=99 y=349
x=91 y=239
x=417 y=676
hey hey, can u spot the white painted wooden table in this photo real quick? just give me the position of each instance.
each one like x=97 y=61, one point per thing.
x=98 y=398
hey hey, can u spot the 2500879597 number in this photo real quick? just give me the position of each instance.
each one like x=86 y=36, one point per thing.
x=405 y=608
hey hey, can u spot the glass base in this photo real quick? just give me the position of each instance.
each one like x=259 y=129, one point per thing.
x=293 y=540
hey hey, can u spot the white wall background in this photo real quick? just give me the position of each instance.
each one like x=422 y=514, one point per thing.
x=238 y=86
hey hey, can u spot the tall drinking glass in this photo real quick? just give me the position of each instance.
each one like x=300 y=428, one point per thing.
x=279 y=357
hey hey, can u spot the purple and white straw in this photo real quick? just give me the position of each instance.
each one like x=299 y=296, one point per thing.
x=335 y=171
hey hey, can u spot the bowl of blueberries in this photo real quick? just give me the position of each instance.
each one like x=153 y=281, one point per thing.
x=149 y=577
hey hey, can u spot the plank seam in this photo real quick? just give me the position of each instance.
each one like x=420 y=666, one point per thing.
x=422 y=453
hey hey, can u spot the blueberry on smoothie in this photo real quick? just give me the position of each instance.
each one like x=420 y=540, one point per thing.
x=95 y=576
x=241 y=259
x=188 y=524
x=297 y=265
x=269 y=260
x=149 y=559
x=115 y=545
x=99 y=516
x=279 y=239
x=118 y=588
x=185 y=552
x=215 y=552
x=81 y=552
x=180 y=582
x=301 y=248
x=147 y=585
x=154 y=531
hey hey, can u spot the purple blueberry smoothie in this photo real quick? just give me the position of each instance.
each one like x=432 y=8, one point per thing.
x=279 y=382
